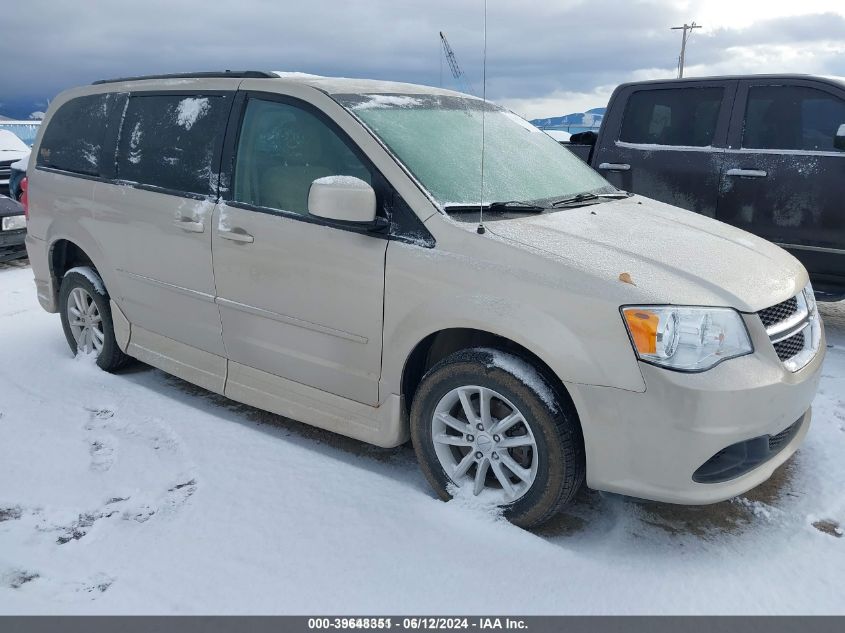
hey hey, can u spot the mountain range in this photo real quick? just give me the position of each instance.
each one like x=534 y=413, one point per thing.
x=575 y=122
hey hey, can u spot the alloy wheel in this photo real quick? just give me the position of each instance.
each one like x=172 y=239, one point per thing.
x=484 y=443
x=85 y=320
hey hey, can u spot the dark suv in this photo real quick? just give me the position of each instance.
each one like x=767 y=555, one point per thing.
x=765 y=153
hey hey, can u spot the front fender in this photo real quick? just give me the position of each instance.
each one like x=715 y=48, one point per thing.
x=427 y=291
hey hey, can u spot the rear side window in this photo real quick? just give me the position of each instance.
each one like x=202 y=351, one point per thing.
x=675 y=116
x=173 y=141
x=792 y=117
x=76 y=134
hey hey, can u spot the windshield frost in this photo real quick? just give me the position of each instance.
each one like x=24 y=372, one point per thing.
x=438 y=138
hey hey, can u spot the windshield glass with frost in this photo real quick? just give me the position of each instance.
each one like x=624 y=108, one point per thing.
x=438 y=138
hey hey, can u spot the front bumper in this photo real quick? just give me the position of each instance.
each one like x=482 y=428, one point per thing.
x=12 y=245
x=650 y=444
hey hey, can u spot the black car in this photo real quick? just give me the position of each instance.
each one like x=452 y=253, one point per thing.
x=12 y=230
x=765 y=153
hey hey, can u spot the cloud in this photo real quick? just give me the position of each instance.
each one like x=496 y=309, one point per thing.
x=544 y=58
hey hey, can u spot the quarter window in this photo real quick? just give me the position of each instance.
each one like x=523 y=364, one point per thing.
x=76 y=134
x=172 y=141
x=282 y=149
x=792 y=118
x=676 y=116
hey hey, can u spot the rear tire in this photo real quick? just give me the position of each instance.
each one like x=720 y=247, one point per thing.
x=86 y=318
x=531 y=468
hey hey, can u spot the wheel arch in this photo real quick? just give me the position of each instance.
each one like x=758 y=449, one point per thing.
x=438 y=345
x=67 y=249
x=65 y=254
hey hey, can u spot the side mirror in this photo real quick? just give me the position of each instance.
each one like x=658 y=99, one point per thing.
x=839 y=139
x=342 y=199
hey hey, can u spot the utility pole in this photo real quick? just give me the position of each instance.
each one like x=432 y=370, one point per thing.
x=686 y=27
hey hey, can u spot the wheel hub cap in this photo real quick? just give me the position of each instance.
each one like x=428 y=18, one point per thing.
x=484 y=444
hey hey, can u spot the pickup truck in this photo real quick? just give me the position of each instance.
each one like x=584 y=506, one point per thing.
x=765 y=153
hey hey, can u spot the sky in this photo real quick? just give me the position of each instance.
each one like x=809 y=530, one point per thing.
x=544 y=57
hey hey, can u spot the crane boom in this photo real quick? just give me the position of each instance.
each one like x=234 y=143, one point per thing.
x=457 y=73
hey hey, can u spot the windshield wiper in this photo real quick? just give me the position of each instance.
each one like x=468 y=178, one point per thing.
x=516 y=205
x=513 y=206
x=574 y=201
x=584 y=198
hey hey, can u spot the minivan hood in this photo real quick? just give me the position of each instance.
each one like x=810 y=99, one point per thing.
x=670 y=255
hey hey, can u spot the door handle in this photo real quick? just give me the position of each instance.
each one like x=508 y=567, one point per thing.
x=237 y=236
x=615 y=166
x=189 y=225
x=747 y=173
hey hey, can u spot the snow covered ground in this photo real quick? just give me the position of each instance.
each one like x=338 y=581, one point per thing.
x=138 y=493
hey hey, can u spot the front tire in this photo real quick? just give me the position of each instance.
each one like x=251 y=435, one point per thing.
x=487 y=422
x=86 y=318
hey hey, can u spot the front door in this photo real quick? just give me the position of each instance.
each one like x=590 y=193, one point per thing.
x=784 y=179
x=299 y=299
x=667 y=142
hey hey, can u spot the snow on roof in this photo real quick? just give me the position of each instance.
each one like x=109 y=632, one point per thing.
x=11 y=143
x=293 y=74
x=345 y=85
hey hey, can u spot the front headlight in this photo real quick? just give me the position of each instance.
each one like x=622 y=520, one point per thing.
x=686 y=339
x=13 y=223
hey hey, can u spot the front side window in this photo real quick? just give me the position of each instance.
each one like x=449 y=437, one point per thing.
x=282 y=149
x=76 y=133
x=675 y=116
x=792 y=118
x=171 y=141
x=438 y=138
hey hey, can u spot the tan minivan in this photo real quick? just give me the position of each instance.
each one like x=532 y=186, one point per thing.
x=312 y=246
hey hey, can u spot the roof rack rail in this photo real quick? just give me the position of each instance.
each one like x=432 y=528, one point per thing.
x=213 y=74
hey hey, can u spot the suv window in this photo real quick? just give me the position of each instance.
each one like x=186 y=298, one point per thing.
x=792 y=117
x=282 y=149
x=76 y=133
x=674 y=116
x=172 y=141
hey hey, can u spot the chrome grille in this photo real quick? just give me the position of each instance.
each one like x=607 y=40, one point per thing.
x=779 y=312
x=794 y=330
x=788 y=348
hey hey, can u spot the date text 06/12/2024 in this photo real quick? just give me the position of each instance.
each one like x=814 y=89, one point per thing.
x=422 y=623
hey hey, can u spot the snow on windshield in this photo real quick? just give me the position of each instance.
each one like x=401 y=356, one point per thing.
x=438 y=138
x=387 y=101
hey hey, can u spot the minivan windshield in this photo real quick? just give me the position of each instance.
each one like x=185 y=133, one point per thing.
x=438 y=138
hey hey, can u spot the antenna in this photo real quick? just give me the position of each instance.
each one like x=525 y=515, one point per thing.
x=481 y=229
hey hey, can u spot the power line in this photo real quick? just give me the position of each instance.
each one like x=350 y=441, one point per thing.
x=684 y=39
